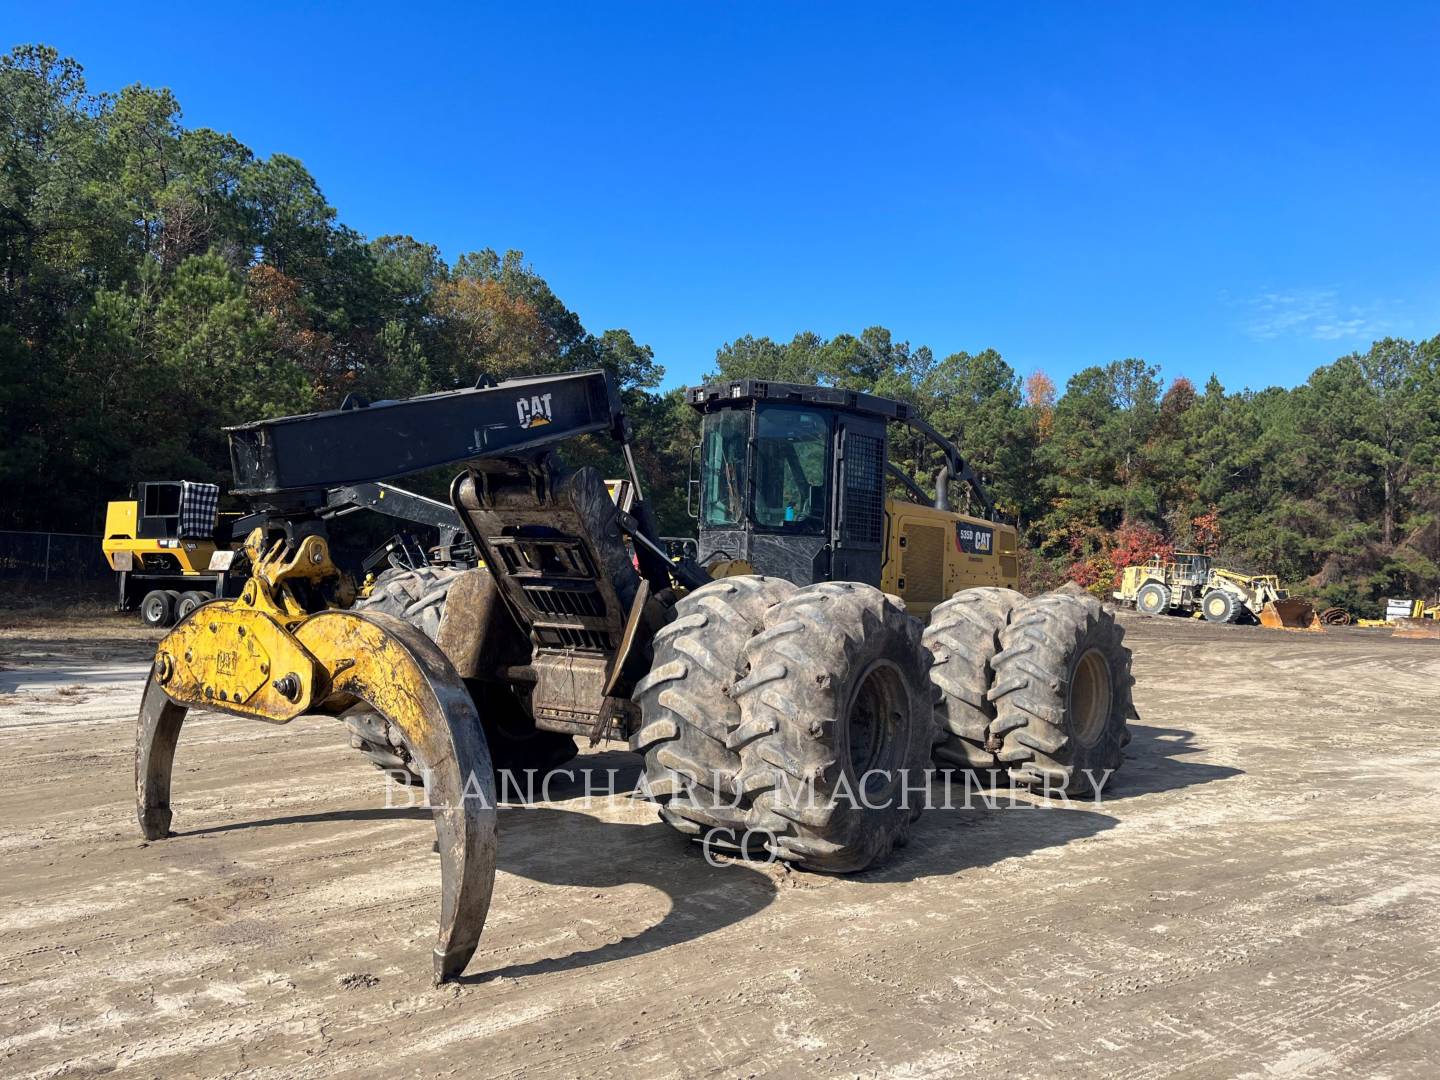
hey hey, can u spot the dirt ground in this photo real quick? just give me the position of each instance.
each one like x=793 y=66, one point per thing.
x=1256 y=896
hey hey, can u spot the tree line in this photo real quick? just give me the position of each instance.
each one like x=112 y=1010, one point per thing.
x=159 y=282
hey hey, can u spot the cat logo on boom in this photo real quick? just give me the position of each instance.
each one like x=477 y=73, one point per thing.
x=534 y=411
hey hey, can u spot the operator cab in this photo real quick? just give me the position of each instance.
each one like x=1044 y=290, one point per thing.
x=773 y=457
x=788 y=448
x=792 y=483
x=1191 y=568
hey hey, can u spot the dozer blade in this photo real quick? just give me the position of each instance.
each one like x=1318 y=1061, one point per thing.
x=1289 y=614
x=334 y=657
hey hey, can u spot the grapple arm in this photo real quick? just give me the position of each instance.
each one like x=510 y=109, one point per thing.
x=252 y=658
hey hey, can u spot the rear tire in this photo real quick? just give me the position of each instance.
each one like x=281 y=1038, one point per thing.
x=963 y=637
x=157 y=609
x=1152 y=599
x=837 y=722
x=188 y=602
x=1062 y=694
x=516 y=745
x=688 y=713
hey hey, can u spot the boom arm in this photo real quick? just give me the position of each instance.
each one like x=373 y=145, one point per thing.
x=294 y=455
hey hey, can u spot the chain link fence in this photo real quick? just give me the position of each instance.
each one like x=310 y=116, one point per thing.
x=51 y=558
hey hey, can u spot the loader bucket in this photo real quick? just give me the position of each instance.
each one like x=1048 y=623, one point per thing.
x=1289 y=614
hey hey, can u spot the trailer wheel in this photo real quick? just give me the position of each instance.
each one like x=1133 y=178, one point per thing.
x=688 y=713
x=158 y=608
x=1062 y=694
x=837 y=722
x=1220 y=606
x=188 y=602
x=1152 y=599
x=963 y=637
x=516 y=745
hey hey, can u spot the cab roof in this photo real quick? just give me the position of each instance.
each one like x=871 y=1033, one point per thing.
x=722 y=395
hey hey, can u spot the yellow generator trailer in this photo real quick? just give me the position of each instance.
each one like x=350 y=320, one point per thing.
x=169 y=549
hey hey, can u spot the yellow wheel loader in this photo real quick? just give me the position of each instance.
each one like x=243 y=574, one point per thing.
x=1188 y=583
x=780 y=689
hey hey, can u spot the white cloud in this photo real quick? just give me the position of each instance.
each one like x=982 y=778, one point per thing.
x=1317 y=314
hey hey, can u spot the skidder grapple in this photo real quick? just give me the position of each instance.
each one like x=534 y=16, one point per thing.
x=781 y=687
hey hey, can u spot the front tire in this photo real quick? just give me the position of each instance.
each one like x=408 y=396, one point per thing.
x=1062 y=694
x=687 y=708
x=837 y=722
x=1219 y=606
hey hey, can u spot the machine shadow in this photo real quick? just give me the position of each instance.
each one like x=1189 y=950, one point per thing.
x=597 y=854
x=1155 y=761
x=963 y=830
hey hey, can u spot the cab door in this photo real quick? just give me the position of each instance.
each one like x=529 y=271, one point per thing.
x=858 y=524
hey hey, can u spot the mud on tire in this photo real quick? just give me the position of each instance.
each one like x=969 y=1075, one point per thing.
x=687 y=712
x=1062 y=694
x=418 y=597
x=963 y=637
x=836 y=712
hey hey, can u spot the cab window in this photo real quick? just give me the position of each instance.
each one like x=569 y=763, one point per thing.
x=792 y=459
x=722 y=455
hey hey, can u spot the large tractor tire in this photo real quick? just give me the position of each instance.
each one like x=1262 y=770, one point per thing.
x=688 y=712
x=1152 y=599
x=837 y=722
x=963 y=637
x=516 y=745
x=1219 y=606
x=1062 y=694
x=417 y=596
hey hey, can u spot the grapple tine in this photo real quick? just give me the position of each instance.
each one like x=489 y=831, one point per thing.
x=155 y=740
x=403 y=675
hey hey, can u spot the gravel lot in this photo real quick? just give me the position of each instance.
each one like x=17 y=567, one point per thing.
x=1256 y=896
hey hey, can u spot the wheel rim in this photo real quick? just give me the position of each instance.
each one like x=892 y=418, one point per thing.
x=1150 y=601
x=1217 y=607
x=875 y=716
x=1090 y=697
x=154 y=610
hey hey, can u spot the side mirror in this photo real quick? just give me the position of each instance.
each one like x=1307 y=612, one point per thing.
x=692 y=485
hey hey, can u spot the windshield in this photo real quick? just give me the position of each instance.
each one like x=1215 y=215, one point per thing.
x=792 y=454
x=722 y=468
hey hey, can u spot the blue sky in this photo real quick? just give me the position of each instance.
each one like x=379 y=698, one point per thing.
x=1249 y=189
